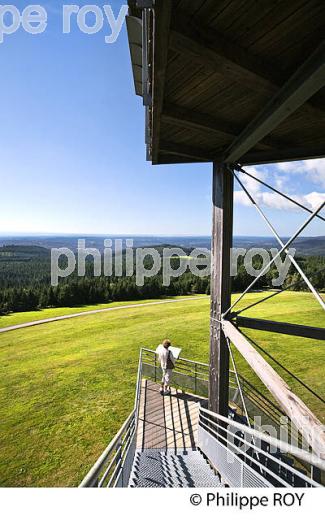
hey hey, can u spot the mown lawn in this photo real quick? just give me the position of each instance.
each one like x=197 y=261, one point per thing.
x=17 y=318
x=67 y=386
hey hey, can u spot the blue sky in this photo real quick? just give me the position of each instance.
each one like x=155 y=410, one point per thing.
x=73 y=154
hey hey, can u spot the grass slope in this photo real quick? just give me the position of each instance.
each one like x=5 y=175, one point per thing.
x=66 y=387
x=17 y=318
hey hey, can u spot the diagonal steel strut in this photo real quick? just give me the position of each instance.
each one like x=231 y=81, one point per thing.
x=269 y=224
x=240 y=169
x=294 y=284
x=264 y=270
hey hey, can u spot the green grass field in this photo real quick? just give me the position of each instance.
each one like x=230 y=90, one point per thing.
x=66 y=387
x=18 y=318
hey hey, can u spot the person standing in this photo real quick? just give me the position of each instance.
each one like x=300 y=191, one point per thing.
x=167 y=362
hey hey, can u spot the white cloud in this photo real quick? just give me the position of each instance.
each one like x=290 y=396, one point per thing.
x=273 y=200
x=241 y=198
x=314 y=170
x=282 y=182
x=314 y=199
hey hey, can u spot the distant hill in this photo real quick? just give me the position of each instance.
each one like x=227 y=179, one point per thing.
x=305 y=246
x=40 y=245
x=22 y=252
x=314 y=246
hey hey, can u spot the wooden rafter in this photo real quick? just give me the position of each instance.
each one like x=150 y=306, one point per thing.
x=219 y=127
x=308 y=80
x=194 y=120
x=291 y=154
x=216 y=62
x=184 y=150
x=212 y=50
x=233 y=77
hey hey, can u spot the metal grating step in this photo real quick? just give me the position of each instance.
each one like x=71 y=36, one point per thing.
x=185 y=468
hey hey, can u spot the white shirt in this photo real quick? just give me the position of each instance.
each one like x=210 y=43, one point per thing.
x=163 y=356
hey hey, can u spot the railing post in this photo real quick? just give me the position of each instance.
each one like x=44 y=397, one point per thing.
x=242 y=476
x=316 y=474
x=119 y=449
x=94 y=483
x=195 y=378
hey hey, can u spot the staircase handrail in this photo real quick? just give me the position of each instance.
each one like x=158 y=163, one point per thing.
x=283 y=446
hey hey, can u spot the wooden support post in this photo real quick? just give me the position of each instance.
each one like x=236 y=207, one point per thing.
x=222 y=196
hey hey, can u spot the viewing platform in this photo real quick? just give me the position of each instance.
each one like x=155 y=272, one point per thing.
x=184 y=60
x=167 y=422
x=176 y=441
x=167 y=436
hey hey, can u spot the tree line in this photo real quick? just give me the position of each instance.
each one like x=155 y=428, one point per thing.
x=25 y=283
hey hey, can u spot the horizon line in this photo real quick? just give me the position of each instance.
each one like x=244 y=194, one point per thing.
x=4 y=234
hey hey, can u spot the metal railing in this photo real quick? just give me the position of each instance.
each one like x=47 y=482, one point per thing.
x=246 y=457
x=187 y=374
x=194 y=376
x=252 y=465
x=113 y=468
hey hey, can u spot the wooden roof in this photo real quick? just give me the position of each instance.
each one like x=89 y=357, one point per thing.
x=237 y=81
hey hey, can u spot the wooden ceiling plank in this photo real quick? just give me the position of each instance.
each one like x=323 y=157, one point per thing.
x=253 y=18
x=212 y=8
x=234 y=19
x=218 y=62
x=308 y=79
x=215 y=53
x=282 y=32
x=171 y=159
x=270 y=20
x=294 y=154
x=181 y=75
x=231 y=11
x=197 y=121
x=189 y=152
x=198 y=88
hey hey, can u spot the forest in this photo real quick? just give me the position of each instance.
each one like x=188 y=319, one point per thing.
x=25 y=281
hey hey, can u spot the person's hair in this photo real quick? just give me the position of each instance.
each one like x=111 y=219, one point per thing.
x=166 y=343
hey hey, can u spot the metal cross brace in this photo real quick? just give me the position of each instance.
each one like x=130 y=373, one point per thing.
x=240 y=169
x=283 y=249
x=273 y=230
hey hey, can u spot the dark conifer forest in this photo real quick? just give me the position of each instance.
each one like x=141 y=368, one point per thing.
x=25 y=281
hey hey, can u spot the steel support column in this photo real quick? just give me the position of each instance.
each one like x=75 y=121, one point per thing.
x=222 y=225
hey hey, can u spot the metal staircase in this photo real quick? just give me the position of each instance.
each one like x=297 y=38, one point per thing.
x=223 y=450
x=163 y=469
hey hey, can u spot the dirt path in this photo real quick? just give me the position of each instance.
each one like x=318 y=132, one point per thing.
x=87 y=313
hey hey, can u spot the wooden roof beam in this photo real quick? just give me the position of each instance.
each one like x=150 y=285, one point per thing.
x=308 y=80
x=193 y=120
x=197 y=121
x=186 y=151
x=212 y=50
x=215 y=60
x=291 y=154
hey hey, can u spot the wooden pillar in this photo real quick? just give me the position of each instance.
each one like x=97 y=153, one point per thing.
x=222 y=226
